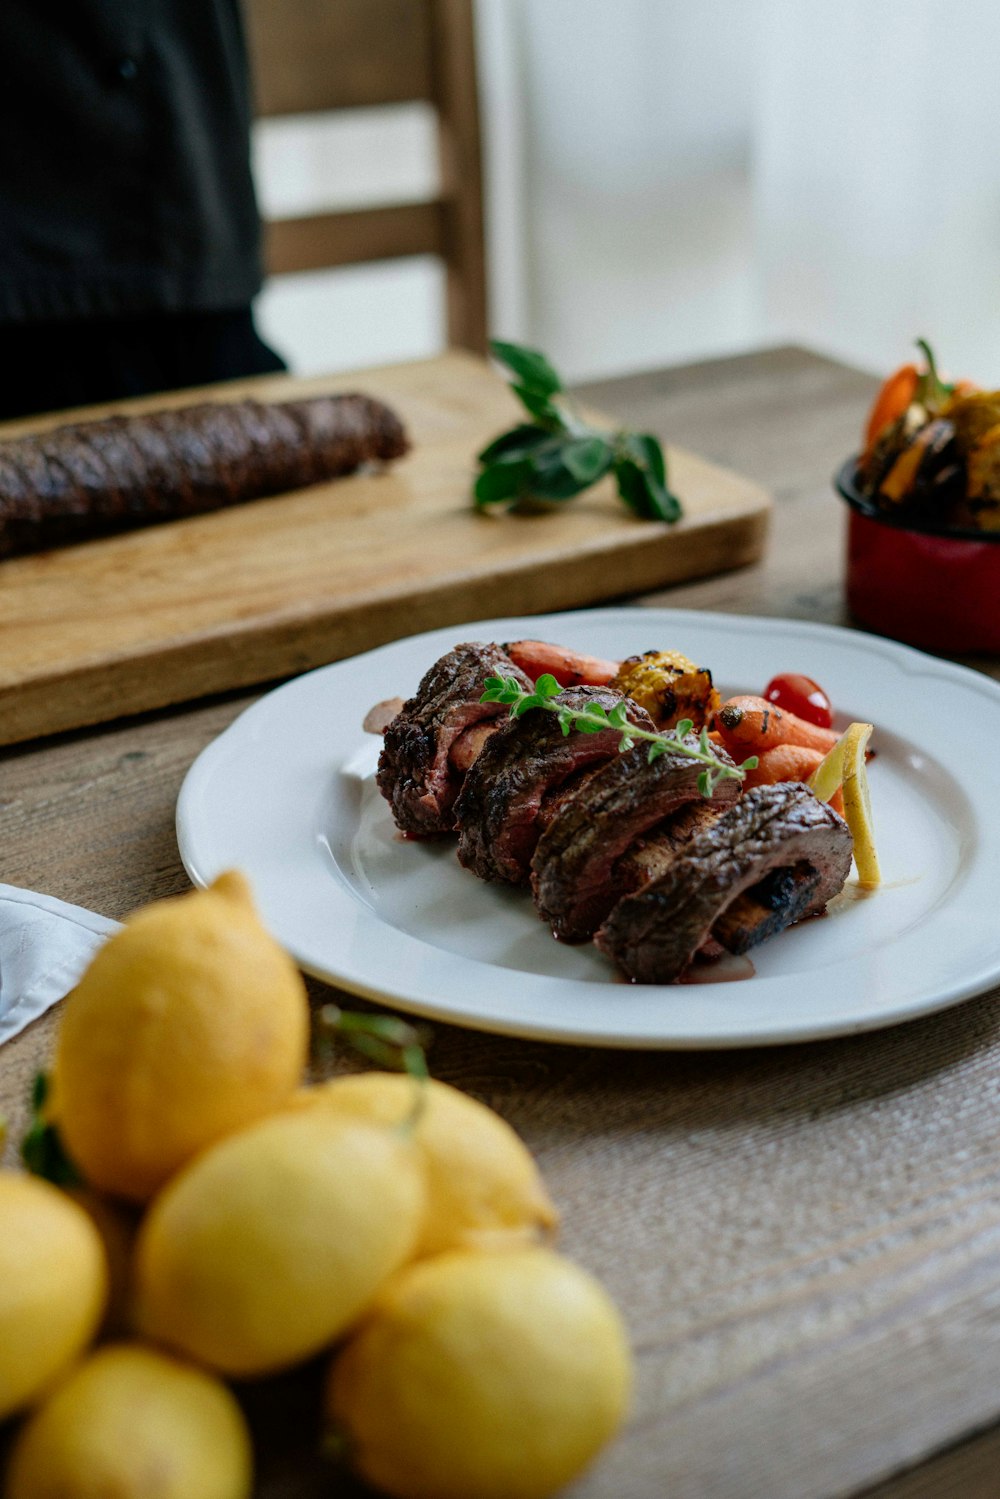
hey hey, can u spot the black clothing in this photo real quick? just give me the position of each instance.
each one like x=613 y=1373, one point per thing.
x=129 y=232
x=49 y=366
x=125 y=180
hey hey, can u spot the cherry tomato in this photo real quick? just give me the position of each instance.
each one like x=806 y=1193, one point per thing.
x=802 y=696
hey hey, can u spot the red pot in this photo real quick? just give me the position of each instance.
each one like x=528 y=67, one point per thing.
x=930 y=587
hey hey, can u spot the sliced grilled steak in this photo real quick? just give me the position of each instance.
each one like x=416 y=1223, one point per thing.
x=653 y=934
x=782 y=897
x=649 y=858
x=526 y=761
x=420 y=769
x=575 y=865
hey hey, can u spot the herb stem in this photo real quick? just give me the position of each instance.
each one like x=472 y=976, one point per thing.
x=595 y=718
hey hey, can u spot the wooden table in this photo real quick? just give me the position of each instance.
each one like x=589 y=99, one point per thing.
x=805 y=1240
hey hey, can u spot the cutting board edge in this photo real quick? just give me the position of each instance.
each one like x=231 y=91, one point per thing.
x=165 y=675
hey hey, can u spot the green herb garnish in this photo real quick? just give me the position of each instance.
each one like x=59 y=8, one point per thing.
x=42 y=1150
x=595 y=719
x=558 y=455
x=384 y=1039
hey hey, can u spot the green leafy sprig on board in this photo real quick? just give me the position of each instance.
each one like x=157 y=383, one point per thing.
x=595 y=719
x=557 y=454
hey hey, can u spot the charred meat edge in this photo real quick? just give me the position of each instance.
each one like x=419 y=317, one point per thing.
x=574 y=876
x=653 y=934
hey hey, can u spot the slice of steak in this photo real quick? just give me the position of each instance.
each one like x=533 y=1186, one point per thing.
x=503 y=802
x=574 y=875
x=653 y=934
x=649 y=858
x=782 y=897
x=416 y=773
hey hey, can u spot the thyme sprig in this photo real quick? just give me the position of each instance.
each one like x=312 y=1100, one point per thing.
x=596 y=719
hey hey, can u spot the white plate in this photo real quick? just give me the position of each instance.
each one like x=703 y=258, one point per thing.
x=287 y=794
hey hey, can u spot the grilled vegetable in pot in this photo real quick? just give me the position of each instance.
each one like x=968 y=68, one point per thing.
x=983 y=487
x=927 y=476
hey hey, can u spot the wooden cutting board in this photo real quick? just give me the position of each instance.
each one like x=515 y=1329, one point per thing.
x=265 y=590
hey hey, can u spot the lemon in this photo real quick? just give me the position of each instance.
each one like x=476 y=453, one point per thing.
x=482 y=1376
x=189 y=1023
x=272 y=1243
x=53 y=1284
x=132 y=1423
x=484 y=1190
x=845 y=765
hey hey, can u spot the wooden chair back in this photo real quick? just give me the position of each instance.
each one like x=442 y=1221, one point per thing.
x=313 y=56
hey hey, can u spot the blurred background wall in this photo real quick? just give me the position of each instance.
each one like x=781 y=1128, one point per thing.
x=667 y=181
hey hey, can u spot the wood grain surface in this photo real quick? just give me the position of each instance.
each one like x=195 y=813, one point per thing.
x=805 y=1241
x=240 y=596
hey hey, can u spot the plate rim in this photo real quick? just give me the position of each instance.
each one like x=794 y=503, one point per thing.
x=254 y=716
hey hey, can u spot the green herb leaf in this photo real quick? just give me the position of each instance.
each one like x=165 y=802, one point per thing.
x=42 y=1150
x=645 y=451
x=549 y=478
x=533 y=370
x=558 y=454
x=595 y=718
x=502 y=482
x=643 y=492
x=588 y=458
x=517 y=443
x=540 y=407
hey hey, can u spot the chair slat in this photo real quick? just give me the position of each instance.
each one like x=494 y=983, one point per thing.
x=337 y=239
x=318 y=55
x=313 y=56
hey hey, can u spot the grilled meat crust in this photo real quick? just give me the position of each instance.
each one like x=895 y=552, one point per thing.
x=498 y=811
x=575 y=869
x=653 y=934
x=93 y=478
x=415 y=773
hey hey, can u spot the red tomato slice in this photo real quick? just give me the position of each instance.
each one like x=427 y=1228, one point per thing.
x=800 y=695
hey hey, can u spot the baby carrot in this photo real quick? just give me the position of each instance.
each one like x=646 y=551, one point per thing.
x=570 y=668
x=752 y=725
x=786 y=762
x=789 y=762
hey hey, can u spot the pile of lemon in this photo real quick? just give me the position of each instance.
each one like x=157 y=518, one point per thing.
x=396 y=1222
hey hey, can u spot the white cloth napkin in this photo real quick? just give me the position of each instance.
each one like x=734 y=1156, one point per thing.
x=45 y=944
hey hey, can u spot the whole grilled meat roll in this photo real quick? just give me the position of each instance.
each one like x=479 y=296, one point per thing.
x=93 y=478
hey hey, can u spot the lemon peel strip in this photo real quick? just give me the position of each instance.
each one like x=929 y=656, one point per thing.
x=845 y=766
